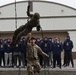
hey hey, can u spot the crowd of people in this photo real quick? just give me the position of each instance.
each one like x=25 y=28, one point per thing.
x=16 y=57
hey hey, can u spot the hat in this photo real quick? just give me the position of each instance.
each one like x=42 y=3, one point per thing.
x=32 y=38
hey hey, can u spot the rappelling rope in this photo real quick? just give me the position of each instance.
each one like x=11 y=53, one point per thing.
x=19 y=71
x=15 y=16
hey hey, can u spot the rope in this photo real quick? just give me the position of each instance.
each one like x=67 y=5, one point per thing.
x=15 y=15
x=28 y=5
x=19 y=71
x=42 y=33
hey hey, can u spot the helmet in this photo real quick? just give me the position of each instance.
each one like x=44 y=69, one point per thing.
x=37 y=15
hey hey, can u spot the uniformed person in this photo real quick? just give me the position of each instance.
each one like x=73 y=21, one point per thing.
x=8 y=53
x=46 y=48
x=68 y=46
x=33 y=65
x=57 y=49
x=27 y=28
x=51 y=49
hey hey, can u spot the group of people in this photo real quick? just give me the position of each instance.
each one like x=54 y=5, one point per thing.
x=52 y=47
x=9 y=56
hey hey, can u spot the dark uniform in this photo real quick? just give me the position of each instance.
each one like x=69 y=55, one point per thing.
x=51 y=48
x=68 y=45
x=23 y=51
x=27 y=28
x=17 y=54
x=46 y=48
x=57 y=48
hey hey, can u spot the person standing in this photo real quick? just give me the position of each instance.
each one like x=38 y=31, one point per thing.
x=51 y=49
x=57 y=49
x=17 y=55
x=46 y=48
x=8 y=53
x=68 y=46
x=23 y=52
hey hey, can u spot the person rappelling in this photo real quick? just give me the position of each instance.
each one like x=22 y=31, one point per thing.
x=27 y=28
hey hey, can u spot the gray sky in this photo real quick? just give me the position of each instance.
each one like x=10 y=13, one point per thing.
x=71 y=3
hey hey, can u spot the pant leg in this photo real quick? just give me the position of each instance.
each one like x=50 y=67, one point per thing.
x=54 y=60
x=3 y=58
x=71 y=58
x=15 y=59
x=10 y=59
x=0 y=58
x=44 y=61
x=37 y=67
x=47 y=61
x=66 y=58
x=19 y=58
x=30 y=70
x=40 y=59
x=23 y=59
x=6 y=59
x=59 y=61
x=51 y=58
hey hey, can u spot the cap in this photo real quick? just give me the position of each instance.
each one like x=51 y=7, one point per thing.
x=32 y=38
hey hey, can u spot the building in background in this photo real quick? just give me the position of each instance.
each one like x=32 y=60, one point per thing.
x=57 y=20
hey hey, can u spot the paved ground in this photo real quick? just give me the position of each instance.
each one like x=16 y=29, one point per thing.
x=23 y=71
x=69 y=68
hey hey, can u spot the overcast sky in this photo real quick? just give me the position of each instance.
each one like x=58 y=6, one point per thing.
x=71 y=3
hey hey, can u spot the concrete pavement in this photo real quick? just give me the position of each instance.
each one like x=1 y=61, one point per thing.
x=23 y=71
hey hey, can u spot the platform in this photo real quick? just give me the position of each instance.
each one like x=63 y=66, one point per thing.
x=56 y=71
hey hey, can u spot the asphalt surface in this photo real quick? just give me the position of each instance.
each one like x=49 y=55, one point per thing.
x=69 y=70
